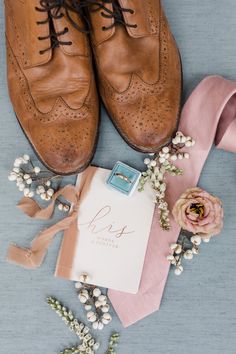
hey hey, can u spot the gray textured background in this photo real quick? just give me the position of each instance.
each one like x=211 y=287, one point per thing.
x=198 y=312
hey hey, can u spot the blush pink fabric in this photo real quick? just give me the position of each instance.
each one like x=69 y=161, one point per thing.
x=208 y=116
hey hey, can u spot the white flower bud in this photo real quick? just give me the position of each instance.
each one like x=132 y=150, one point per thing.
x=26 y=192
x=179 y=270
x=162 y=159
x=97 y=292
x=12 y=177
x=105 y=308
x=98 y=304
x=31 y=194
x=26 y=157
x=83 y=298
x=188 y=143
x=170 y=258
x=188 y=255
x=95 y=325
x=50 y=192
x=26 y=176
x=48 y=183
x=29 y=181
x=88 y=307
x=196 y=240
x=186 y=155
x=173 y=157
x=107 y=317
x=165 y=150
x=206 y=240
x=153 y=163
x=100 y=326
x=91 y=316
x=37 y=170
x=21 y=187
x=147 y=161
x=43 y=196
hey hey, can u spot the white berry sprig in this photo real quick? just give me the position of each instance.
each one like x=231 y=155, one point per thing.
x=95 y=303
x=88 y=345
x=186 y=247
x=32 y=181
x=158 y=166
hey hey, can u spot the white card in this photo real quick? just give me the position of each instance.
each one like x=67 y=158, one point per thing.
x=113 y=235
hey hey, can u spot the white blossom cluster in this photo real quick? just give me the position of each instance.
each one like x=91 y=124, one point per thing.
x=96 y=305
x=157 y=167
x=88 y=345
x=32 y=181
x=184 y=250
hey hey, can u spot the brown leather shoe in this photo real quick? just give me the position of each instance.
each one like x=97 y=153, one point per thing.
x=51 y=82
x=139 y=69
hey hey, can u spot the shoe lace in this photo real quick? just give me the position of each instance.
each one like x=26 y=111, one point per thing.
x=116 y=13
x=54 y=10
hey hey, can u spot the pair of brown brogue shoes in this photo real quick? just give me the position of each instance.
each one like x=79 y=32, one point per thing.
x=52 y=83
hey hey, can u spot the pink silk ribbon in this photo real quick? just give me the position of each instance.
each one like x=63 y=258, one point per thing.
x=33 y=257
x=208 y=116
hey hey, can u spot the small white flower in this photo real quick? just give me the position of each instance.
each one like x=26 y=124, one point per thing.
x=188 y=255
x=37 y=170
x=195 y=250
x=21 y=187
x=188 y=143
x=97 y=292
x=29 y=181
x=43 y=196
x=98 y=304
x=186 y=155
x=179 y=270
x=153 y=163
x=100 y=326
x=166 y=150
x=180 y=156
x=16 y=169
x=48 y=183
x=196 y=240
x=26 y=192
x=162 y=159
x=183 y=139
x=177 y=140
x=105 y=308
x=78 y=285
x=170 y=258
x=17 y=162
x=12 y=177
x=26 y=176
x=31 y=194
x=173 y=157
x=83 y=298
x=147 y=161
x=95 y=325
x=26 y=157
x=50 y=192
x=91 y=316
x=88 y=307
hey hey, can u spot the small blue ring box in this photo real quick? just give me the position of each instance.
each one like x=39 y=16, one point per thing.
x=124 y=178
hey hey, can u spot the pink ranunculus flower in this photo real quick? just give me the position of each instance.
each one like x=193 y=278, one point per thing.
x=199 y=212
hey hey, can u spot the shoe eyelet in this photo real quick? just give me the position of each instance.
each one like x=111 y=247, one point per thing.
x=104 y=28
x=66 y=29
x=132 y=12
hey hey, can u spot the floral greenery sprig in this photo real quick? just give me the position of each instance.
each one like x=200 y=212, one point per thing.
x=157 y=168
x=95 y=303
x=113 y=342
x=32 y=181
x=88 y=345
x=186 y=247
